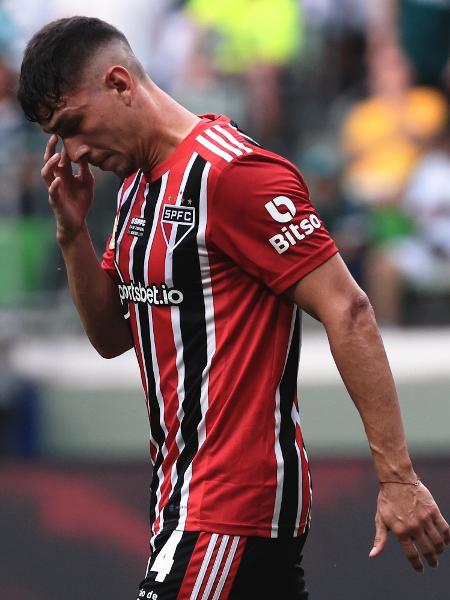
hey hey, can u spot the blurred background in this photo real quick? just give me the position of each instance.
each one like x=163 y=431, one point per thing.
x=355 y=93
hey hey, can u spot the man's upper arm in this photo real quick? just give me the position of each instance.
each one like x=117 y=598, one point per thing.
x=327 y=291
x=263 y=219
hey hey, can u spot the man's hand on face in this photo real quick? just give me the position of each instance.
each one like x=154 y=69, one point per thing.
x=70 y=195
x=411 y=513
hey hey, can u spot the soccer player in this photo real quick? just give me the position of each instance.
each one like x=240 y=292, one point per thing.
x=215 y=250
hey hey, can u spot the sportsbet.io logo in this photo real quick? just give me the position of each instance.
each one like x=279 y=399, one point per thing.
x=291 y=234
x=154 y=295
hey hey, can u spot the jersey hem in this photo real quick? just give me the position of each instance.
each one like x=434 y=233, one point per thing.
x=242 y=530
x=294 y=274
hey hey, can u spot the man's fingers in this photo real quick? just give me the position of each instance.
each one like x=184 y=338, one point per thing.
x=381 y=535
x=412 y=554
x=443 y=527
x=436 y=538
x=84 y=172
x=64 y=164
x=52 y=190
x=48 y=169
x=50 y=147
x=423 y=542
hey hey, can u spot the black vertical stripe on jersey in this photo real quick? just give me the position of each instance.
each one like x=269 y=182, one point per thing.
x=186 y=275
x=288 y=387
x=143 y=316
x=126 y=206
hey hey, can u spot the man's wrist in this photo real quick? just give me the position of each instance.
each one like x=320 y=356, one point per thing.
x=400 y=471
x=67 y=239
x=415 y=483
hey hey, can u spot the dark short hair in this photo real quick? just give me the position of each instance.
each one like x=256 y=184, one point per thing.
x=54 y=61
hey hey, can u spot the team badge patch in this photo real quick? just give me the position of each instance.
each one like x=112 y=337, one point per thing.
x=177 y=222
x=136 y=227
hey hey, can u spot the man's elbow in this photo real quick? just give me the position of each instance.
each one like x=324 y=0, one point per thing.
x=351 y=312
x=111 y=350
x=359 y=307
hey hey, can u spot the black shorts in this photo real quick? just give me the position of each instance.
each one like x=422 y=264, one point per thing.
x=192 y=565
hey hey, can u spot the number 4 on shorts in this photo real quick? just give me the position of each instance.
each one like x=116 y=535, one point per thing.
x=164 y=561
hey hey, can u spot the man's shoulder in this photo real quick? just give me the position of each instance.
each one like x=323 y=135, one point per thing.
x=256 y=169
x=224 y=145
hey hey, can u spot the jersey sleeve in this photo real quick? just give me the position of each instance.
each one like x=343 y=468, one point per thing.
x=263 y=219
x=108 y=257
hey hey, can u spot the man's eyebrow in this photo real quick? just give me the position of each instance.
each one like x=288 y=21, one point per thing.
x=61 y=122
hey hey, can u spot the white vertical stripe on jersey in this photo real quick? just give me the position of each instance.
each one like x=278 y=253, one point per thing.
x=162 y=190
x=127 y=315
x=296 y=419
x=125 y=198
x=232 y=139
x=210 y=332
x=222 y=142
x=278 y=453
x=204 y=567
x=176 y=329
x=216 y=567
x=308 y=517
x=226 y=568
x=135 y=308
x=213 y=148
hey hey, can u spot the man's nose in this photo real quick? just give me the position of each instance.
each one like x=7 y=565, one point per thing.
x=75 y=150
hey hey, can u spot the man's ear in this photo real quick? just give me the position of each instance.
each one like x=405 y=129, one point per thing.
x=119 y=79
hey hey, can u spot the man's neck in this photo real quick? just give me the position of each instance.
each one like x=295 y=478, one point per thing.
x=171 y=124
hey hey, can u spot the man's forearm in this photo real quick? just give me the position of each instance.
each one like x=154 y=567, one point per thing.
x=95 y=297
x=360 y=357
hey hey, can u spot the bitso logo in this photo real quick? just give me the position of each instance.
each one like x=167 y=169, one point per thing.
x=291 y=234
x=281 y=217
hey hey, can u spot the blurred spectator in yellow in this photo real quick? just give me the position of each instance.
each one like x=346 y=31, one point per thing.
x=421 y=259
x=384 y=135
x=251 y=42
x=383 y=138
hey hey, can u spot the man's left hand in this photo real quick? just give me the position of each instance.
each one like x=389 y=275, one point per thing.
x=411 y=513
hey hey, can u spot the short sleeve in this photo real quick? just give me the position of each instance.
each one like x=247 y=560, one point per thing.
x=108 y=258
x=262 y=218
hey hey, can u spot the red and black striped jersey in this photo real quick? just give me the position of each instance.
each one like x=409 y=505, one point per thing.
x=202 y=251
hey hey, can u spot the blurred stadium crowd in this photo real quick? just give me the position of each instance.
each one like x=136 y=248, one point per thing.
x=355 y=93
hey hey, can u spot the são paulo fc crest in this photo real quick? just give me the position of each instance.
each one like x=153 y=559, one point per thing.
x=176 y=222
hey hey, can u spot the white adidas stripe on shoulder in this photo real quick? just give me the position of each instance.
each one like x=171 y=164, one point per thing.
x=233 y=139
x=213 y=135
x=214 y=148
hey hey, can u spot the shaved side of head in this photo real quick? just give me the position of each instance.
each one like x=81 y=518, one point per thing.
x=66 y=54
